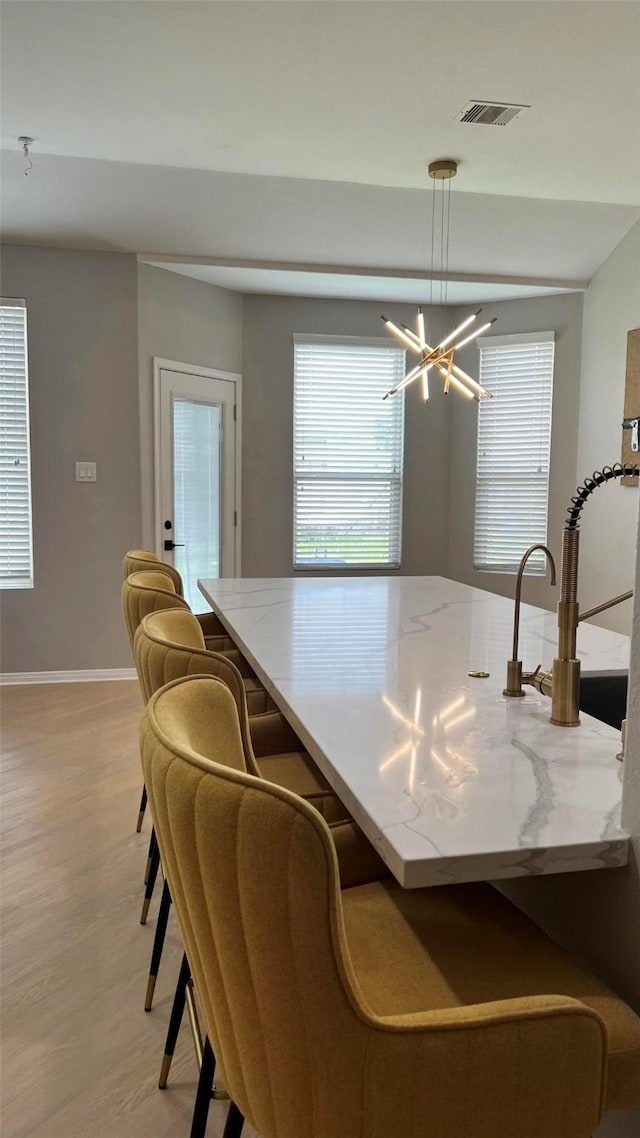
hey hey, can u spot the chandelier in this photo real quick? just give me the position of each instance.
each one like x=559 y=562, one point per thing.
x=442 y=356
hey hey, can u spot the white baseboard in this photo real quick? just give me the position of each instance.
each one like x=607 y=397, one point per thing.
x=93 y=675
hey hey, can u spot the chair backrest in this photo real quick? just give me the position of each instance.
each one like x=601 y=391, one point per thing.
x=254 y=879
x=170 y=644
x=140 y=560
x=147 y=592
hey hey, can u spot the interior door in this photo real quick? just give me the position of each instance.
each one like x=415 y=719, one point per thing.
x=196 y=511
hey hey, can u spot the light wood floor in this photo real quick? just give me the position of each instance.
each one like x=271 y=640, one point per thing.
x=80 y=1056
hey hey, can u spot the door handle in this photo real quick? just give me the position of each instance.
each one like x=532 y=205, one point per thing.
x=169 y=545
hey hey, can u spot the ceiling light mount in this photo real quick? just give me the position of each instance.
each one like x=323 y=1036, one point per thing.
x=26 y=141
x=443 y=169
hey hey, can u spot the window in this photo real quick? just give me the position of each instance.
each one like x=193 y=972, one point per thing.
x=347 y=453
x=16 y=553
x=514 y=444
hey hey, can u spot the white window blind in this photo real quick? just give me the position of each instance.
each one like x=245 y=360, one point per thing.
x=348 y=447
x=514 y=445
x=16 y=553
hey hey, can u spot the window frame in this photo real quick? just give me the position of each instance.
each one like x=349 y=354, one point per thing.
x=536 y=565
x=27 y=582
x=333 y=566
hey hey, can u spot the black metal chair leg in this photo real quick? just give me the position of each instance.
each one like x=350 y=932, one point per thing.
x=158 y=944
x=153 y=841
x=203 y=1093
x=177 y=1011
x=234 y=1123
x=141 y=809
x=151 y=880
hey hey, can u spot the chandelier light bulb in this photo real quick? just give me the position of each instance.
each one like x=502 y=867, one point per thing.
x=460 y=328
x=474 y=335
x=401 y=335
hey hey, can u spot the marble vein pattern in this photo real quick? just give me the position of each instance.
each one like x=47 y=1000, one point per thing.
x=448 y=778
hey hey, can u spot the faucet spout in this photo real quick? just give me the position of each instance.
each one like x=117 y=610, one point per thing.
x=514 y=665
x=565 y=676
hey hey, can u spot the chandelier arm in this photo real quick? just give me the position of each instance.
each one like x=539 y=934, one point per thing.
x=475 y=334
x=460 y=328
x=408 y=378
x=477 y=387
x=419 y=343
x=401 y=335
x=455 y=381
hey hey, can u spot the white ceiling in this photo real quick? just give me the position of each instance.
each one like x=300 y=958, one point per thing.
x=351 y=92
x=156 y=123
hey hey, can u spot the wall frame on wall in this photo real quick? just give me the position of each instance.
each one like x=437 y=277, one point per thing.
x=631 y=400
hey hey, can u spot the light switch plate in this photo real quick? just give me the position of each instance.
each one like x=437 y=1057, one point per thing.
x=86 y=472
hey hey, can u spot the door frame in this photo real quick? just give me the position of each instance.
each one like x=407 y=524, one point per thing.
x=160 y=364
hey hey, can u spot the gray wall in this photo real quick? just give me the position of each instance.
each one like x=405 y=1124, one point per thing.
x=267 y=475
x=82 y=328
x=607 y=543
x=189 y=322
x=562 y=314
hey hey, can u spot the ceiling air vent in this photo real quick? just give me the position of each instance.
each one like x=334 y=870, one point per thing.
x=489 y=114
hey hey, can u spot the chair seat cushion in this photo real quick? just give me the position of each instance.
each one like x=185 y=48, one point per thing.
x=454 y=946
x=258 y=700
x=242 y=664
x=211 y=624
x=223 y=644
x=297 y=771
x=358 y=861
x=271 y=734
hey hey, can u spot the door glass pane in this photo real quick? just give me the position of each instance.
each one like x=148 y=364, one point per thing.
x=196 y=482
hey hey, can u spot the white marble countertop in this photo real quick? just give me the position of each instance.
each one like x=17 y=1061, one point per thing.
x=450 y=780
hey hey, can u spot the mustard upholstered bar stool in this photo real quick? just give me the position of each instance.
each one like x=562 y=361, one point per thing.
x=357 y=861
x=157 y=590
x=149 y=591
x=141 y=560
x=169 y=645
x=152 y=591
x=146 y=591
x=374 y=1011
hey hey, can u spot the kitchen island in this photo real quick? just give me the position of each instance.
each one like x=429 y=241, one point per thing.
x=449 y=779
